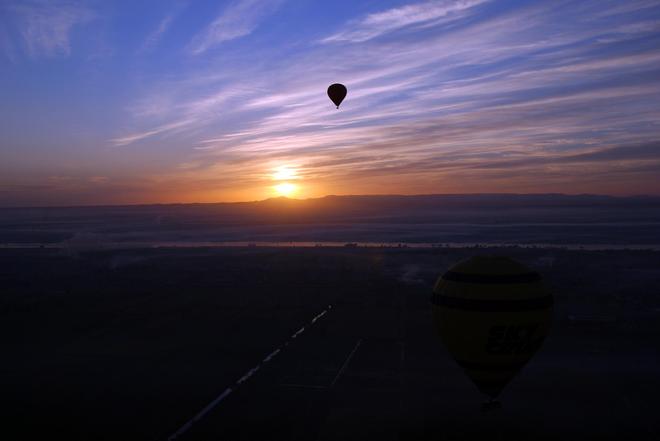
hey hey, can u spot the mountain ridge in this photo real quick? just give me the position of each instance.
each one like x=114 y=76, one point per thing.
x=501 y=197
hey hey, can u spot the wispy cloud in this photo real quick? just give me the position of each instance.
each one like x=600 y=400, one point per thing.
x=137 y=136
x=46 y=27
x=523 y=98
x=154 y=37
x=426 y=13
x=237 y=20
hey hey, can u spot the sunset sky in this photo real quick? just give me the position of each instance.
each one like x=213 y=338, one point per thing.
x=204 y=101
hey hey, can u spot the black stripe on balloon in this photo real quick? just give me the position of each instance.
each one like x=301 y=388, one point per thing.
x=491 y=367
x=491 y=387
x=492 y=305
x=454 y=276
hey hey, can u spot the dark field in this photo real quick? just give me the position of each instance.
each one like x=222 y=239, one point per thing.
x=131 y=344
x=461 y=219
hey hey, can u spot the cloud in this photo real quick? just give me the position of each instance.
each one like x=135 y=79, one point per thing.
x=501 y=91
x=46 y=27
x=180 y=111
x=164 y=128
x=239 y=19
x=620 y=153
x=427 y=13
x=154 y=37
x=163 y=26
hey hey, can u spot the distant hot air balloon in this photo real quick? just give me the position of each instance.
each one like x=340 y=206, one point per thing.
x=337 y=93
x=492 y=314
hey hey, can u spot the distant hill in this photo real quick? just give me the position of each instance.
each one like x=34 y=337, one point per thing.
x=353 y=218
x=347 y=208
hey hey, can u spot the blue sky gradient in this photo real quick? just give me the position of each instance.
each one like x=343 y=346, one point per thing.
x=194 y=101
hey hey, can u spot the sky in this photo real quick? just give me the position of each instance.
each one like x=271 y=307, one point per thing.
x=206 y=101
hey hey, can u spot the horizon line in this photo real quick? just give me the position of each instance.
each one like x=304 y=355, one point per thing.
x=275 y=198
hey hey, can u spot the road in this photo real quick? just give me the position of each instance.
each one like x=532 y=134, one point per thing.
x=135 y=345
x=380 y=373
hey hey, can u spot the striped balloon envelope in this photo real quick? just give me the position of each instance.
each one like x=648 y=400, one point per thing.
x=492 y=314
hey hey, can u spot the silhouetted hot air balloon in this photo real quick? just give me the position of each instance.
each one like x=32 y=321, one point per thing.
x=492 y=314
x=337 y=93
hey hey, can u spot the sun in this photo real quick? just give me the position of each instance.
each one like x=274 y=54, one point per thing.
x=285 y=189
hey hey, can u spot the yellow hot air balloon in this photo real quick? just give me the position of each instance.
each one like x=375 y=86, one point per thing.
x=492 y=314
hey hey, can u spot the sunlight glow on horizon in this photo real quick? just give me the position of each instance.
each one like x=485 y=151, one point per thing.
x=222 y=102
x=285 y=189
x=285 y=173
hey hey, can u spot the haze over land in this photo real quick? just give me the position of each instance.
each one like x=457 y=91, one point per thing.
x=503 y=218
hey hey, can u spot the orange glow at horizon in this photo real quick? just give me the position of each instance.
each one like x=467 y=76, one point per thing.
x=285 y=189
x=285 y=173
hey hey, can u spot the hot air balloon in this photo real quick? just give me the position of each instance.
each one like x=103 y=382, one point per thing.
x=337 y=93
x=492 y=314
